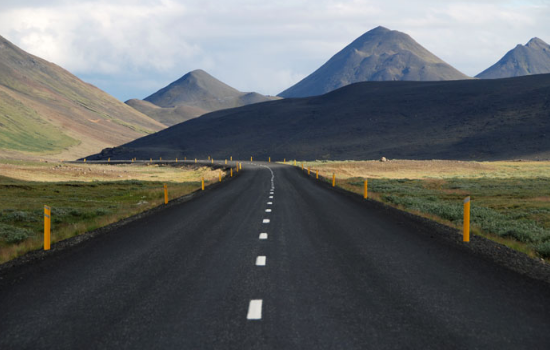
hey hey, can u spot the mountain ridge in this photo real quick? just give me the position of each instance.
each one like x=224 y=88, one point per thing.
x=475 y=119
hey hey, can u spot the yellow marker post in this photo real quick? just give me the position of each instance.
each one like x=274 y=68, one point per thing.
x=165 y=194
x=317 y=175
x=269 y=161
x=195 y=160
x=237 y=167
x=150 y=160
x=202 y=183
x=466 y=233
x=294 y=162
x=47 y=226
x=109 y=160
x=176 y=159
x=308 y=170
x=212 y=160
x=84 y=160
x=231 y=158
x=302 y=166
x=184 y=158
x=241 y=166
x=250 y=158
x=208 y=157
x=333 y=180
x=160 y=158
x=226 y=161
x=220 y=176
x=365 y=190
x=231 y=172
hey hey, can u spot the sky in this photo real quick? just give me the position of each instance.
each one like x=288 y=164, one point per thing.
x=132 y=48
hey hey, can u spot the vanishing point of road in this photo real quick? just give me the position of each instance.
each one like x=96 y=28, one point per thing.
x=270 y=260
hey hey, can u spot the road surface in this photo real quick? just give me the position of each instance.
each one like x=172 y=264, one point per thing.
x=271 y=260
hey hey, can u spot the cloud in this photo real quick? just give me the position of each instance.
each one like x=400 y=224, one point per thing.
x=131 y=48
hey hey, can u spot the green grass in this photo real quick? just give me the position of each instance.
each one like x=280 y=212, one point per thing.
x=512 y=209
x=22 y=129
x=77 y=207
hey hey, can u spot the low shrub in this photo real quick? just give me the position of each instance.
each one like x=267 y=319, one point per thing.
x=11 y=234
x=543 y=249
x=17 y=216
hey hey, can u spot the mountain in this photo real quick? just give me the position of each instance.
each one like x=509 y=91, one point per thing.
x=195 y=92
x=378 y=55
x=45 y=110
x=533 y=58
x=467 y=119
x=167 y=116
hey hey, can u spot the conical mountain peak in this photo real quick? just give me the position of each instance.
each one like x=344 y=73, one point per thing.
x=536 y=43
x=531 y=58
x=193 y=89
x=380 y=29
x=198 y=89
x=378 y=55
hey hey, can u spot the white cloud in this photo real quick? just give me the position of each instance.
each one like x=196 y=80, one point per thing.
x=128 y=46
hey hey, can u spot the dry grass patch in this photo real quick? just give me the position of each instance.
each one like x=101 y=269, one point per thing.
x=437 y=169
x=57 y=171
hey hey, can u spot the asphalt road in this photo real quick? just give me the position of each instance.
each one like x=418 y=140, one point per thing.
x=338 y=274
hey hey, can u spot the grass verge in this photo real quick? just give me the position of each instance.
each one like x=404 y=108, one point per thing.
x=79 y=207
x=510 y=200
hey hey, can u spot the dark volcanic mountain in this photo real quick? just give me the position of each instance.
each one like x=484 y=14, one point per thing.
x=466 y=119
x=533 y=58
x=47 y=111
x=378 y=55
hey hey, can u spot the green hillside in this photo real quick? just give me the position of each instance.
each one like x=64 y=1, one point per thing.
x=46 y=109
x=22 y=129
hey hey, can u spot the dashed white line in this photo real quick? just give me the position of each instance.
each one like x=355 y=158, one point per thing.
x=260 y=260
x=263 y=235
x=270 y=197
x=269 y=203
x=268 y=210
x=255 y=309
x=266 y=221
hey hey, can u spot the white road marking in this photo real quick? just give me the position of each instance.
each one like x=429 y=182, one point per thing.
x=269 y=203
x=268 y=210
x=272 y=176
x=270 y=197
x=255 y=309
x=263 y=235
x=271 y=192
x=260 y=260
x=266 y=221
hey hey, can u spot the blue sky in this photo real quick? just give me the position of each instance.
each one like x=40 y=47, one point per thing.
x=133 y=48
